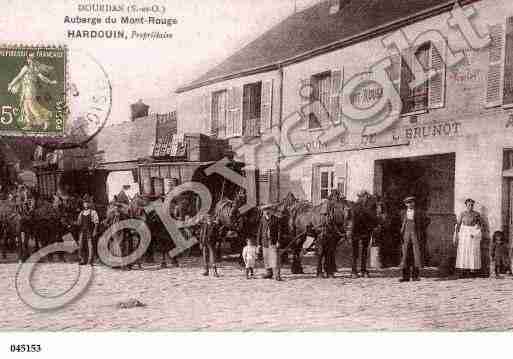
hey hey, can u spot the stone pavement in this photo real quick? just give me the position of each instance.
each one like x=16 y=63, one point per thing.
x=182 y=299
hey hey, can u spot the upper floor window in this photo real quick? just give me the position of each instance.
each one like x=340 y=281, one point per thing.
x=251 y=109
x=415 y=99
x=321 y=92
x=241 y=110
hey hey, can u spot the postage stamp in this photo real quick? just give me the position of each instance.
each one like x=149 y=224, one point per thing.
x=33 y=89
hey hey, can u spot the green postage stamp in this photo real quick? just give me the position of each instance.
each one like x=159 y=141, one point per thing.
x=33 y=90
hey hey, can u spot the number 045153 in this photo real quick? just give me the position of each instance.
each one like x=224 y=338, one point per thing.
x=25 y=348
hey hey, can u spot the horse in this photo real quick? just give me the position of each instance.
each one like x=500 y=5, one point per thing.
x=68 y=208
x=161 y=241
x=234 y=226
x=304 y=218
x=10 y=229
x=44 y=223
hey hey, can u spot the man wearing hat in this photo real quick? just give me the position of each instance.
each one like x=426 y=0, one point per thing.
x=88 y=224
x=268 y=238
x=413 y=227
x=326 y=245
x=208 y=242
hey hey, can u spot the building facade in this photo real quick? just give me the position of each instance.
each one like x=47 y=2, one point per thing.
x=453 y=137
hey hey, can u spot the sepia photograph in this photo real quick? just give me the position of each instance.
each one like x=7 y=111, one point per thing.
x=236 y=166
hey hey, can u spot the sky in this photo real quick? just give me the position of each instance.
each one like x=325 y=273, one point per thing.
x=207 y=32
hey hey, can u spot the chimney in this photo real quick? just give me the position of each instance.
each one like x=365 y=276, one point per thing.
x=138 y=110
x=337 y=5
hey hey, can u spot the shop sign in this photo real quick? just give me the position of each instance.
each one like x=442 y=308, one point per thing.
x=468 y=75
x=312 y=146
x=446 y=129
x=367 y=95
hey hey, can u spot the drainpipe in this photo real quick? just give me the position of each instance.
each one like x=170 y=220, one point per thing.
x=280 y=119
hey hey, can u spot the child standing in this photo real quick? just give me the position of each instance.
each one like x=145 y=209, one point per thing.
x=500 y=253
x=250 y=254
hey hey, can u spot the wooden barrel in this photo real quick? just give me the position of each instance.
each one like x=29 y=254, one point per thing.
x=147 y=185
x=158 y=186
x=170 y=184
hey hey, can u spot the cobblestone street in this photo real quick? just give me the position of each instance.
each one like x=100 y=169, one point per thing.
x=182 y=299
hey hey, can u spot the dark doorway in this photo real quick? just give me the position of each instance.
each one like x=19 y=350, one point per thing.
x=431 y=180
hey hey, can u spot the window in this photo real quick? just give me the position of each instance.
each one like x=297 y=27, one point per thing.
x=508 y=160
x=219 y=114
x=321 y=86
x=251 y=109
x=499 y=84
x=415 y=99
x=326 y=181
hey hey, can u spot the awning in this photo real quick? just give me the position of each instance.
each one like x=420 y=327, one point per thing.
x=182 y=171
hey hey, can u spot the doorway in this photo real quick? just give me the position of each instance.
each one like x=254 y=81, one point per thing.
x=431 y=180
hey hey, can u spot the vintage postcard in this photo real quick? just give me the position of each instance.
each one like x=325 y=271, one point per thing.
x=241 y=166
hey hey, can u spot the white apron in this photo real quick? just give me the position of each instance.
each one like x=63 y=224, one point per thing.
x=469 y=247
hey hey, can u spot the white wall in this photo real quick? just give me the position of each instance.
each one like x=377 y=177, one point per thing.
x=116 y=181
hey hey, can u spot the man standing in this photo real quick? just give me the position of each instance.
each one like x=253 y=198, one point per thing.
x=413 y=228
x=88 y=223
x=268 y=237
x=364 y=222
x=326 y=245
x=208 y=242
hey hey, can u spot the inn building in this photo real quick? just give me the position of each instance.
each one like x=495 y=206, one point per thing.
x=453 y=138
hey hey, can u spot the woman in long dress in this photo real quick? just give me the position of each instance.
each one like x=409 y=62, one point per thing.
x=468 y=235
x=26 y=85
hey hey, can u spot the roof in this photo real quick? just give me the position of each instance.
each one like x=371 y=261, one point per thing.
x=127 y=141
x=308 y=32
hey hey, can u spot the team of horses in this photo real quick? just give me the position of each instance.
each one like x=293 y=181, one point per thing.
x=36 y=220
x=44 y=222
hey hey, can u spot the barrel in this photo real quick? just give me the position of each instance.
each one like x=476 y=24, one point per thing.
x=147 y=185
x=170 y=184
x=158 y=186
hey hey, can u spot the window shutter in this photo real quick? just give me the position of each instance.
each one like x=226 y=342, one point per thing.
x=207 y=113
x=304 y=89
x=237 y=111
x=336 y=93
x=222 y=114
x=495 y=71
x=229 y=112
x=508 y=64
x=437 y=83
x=266 y=106
x=406 y=76
x=394 y=72
x=316 y=185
